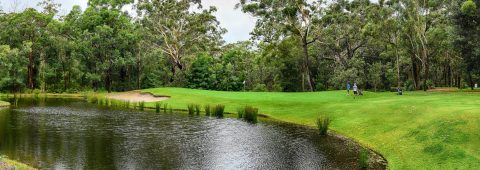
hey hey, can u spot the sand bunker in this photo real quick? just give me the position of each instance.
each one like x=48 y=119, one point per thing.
x=136 y=96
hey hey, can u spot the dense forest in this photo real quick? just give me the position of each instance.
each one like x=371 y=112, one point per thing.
x=297 y=45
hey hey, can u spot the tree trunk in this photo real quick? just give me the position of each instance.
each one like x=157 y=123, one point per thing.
x=470 y=79
x=306 y=65
x=414 y=71
x=30 y=70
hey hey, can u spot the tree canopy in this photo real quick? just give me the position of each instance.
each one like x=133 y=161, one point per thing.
x=296 y=45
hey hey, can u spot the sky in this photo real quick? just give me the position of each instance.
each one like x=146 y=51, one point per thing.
x=238 y=24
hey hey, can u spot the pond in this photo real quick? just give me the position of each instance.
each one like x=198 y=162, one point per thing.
x=73 y=134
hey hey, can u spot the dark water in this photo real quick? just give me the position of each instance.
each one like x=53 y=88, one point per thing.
x=72 y=134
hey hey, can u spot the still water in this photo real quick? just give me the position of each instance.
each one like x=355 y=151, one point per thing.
x=73 y=134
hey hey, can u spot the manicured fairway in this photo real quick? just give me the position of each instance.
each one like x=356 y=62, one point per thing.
x=419 y=130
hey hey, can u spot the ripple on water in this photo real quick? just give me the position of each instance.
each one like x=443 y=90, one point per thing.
x=77 y=135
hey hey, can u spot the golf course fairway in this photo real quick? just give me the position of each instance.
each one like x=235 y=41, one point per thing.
x=418 y=130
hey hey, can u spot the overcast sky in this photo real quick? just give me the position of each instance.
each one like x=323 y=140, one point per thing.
x=238 y=24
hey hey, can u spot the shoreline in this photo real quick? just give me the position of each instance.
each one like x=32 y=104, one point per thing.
x=376 y=159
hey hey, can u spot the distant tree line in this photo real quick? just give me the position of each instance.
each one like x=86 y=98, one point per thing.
x=297 y=45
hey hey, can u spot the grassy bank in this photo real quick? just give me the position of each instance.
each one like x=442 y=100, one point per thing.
x=419 y=130
x=11 y=164
x=4 y=104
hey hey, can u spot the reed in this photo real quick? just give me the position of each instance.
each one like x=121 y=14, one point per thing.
x=322 y=125
x=250 y=114
x=165 y=107
x=157 y=107
x=197 y=109
x=190 y=109
x=363 y=159
x=141 y=106
x=219 y=111
x=207 y=110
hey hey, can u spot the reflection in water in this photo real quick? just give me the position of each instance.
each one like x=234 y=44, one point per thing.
x=70 y=134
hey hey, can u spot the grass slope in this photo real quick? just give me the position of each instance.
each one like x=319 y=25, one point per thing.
x=420 y=130
x=4 y=104
x=11 y=164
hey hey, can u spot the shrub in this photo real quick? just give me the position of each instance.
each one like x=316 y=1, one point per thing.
x=141 y=105
x=240 y=112
x=430 y=84
x=190 y=109
x=157 y=107
x=165 y=107
x=127 y=104
x=197 y=109
x=322 y=125
x=363 y=159
x=250 y=114
x=260 y=88
x=218 y=111
x=207 y=110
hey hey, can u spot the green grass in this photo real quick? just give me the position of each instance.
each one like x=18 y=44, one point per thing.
x=16 y=165
x=419 y=130
x=4 y=104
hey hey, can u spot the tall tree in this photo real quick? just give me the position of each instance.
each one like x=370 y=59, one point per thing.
x=178 y=31
x=284 y=18
x=466 y=16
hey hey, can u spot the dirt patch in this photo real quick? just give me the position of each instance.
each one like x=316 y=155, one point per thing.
x=136 y=96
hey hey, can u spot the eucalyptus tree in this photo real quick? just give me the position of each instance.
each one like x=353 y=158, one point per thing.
x=110 y=34
x=180 y=28
x=12 y=67
x=279 y=19
x=466 y=17
x=27 y=26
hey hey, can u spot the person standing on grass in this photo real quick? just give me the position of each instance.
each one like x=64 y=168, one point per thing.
x=355 y=88
x=348 y=88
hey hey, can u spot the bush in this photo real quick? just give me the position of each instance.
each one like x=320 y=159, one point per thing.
x=218 y=111
x=409 y=85
x=157 y=107
x=197 y=109
x=250 y=114
x=260 y=88
x=141 y=105
x=190 y=109
x=165 y=107
x=363 y=159
x=240 y=112
x=322 y=125
x=207 y=110
x=127 y=104
x=430 y=84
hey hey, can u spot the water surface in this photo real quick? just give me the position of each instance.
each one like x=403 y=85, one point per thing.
x=72 y=134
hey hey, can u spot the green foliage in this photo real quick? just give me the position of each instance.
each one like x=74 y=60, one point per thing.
x=201 y=75
x=157 y=107
x=218 y=111
x=141 y=106
x=322 y=125
x=165 y=107
x=249 y=114
x=260 y=88
x=197 y=109
x=363 y=159
x=191 y=108
x=469 y=8
x=207 y=110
